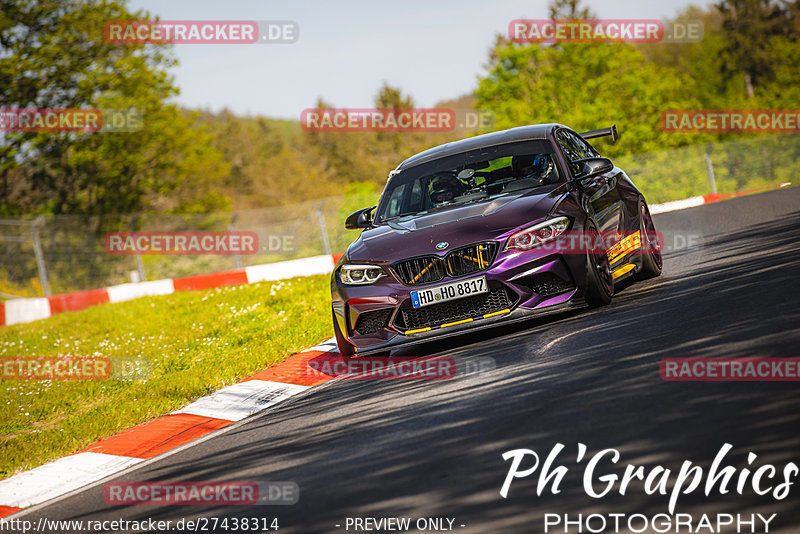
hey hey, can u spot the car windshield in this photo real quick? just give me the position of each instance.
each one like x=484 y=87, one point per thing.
x=469 y=177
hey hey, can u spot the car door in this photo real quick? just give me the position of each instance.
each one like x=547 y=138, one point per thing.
x=602 y=198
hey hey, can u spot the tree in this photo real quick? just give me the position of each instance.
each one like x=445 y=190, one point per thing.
x=699 y=61
x=751 y=28
x=392 y=98
x=271 y=161
x=54 y=56
x=368 y=156
x=569 y=10
x=723 y=66
x=585 y=86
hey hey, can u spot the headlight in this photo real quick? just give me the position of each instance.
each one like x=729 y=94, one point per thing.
x=360 y=275
x=537 y=235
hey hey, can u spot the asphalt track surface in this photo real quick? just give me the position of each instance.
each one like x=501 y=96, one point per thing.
x=434 y=448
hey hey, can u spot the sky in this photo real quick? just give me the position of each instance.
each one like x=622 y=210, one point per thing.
x=433 y=50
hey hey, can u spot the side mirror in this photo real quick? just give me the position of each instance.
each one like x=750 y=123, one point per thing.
x=592 y=167
x=359 y=219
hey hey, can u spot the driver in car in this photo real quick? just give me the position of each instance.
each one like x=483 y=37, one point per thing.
x=445 y=188
x=536 y=167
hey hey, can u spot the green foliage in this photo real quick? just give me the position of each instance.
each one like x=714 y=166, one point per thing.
x=749 y=57
x=698 y=61
x=740 y=165
x=369 y=156
x=357 y=195
x=585 y=86
x=569 y=10
x=55 y=57
x=750 y=28
x=271 y=162
x=199 y=162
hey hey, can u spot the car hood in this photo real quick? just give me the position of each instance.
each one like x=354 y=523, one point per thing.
x=457 y=226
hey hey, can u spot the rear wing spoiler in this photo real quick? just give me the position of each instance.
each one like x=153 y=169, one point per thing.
x=602 y=132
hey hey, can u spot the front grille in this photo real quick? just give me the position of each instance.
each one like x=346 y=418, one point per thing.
x=459 y=262
x=456 y=310
x=418 y=271
x=372 y=321
x=546 y=284
x=470 y=259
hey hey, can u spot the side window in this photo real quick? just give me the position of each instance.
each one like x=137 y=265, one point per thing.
x=566 y=146
x=574 y=147
x=417 y=201
x=394 y=206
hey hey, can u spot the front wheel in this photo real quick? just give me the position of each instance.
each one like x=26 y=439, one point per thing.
x=651 y=253
x=599 y=280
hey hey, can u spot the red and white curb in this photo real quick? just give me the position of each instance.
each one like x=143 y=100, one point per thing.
x=26 y=310
x=677 y=205
x=693 y=202
x=202 y=417
x=236 y=402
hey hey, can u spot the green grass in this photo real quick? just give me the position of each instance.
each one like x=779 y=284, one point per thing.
x=188 y=344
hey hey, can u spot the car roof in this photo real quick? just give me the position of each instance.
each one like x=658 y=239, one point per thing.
x=520 y=133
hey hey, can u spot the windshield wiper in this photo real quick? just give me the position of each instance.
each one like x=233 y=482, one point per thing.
x=406 y=214
x=395 y=226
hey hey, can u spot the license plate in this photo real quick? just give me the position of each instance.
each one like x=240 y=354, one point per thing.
x=451 y=291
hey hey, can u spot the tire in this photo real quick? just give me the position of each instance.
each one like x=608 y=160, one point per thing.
x=346 y=349
x=599 y=281
x=652 y=262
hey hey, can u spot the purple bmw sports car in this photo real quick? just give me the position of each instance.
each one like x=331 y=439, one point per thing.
x=461 y=239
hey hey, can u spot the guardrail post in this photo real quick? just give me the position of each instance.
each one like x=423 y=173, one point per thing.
x=710 y=169
x=139 y=264
x=37 y=251
x=321 y=218
x=236 y=259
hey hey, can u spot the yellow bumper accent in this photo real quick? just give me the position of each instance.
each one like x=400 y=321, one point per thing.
x=622 y=270
x=501 y=312
x=457 y=322
x=417 y=330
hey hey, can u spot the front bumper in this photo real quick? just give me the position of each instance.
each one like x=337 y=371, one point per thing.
x=377 y=318
x=517 y=315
